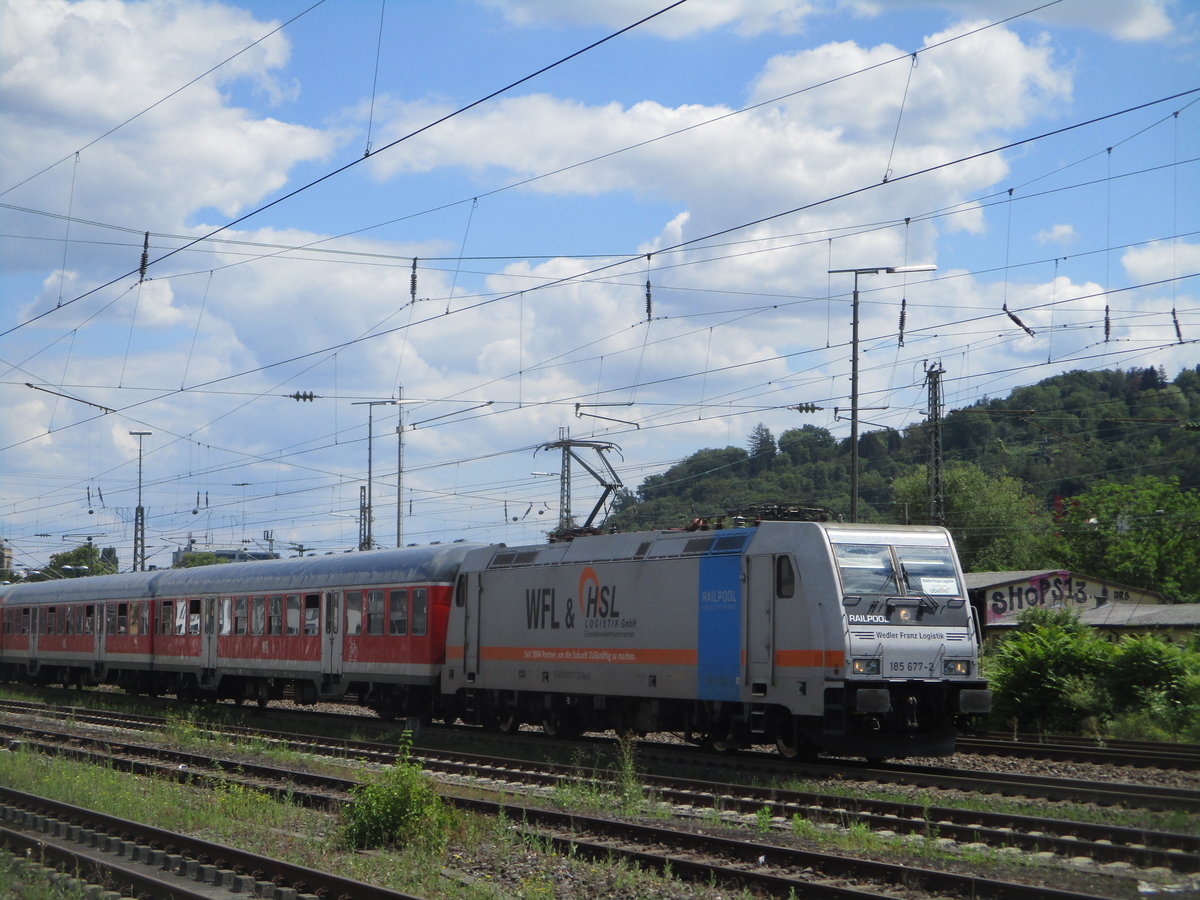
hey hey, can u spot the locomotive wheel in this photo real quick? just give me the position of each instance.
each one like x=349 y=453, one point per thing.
x=719 y=741
x=508 y=721
x=790 y=747
x=560 y=725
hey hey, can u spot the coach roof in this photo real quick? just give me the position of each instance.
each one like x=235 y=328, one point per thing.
x=436 y=563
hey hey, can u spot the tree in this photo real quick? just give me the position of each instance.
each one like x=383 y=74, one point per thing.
x=86 y=559
x=761 y=449
x=997 y=525
x=201 y=558
x=1144 y=534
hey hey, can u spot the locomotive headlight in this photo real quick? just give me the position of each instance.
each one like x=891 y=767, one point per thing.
x=865 y=666
x=956 y=667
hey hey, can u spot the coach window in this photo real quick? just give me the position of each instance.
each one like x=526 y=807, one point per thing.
x=420 y=610
x=293 y=614
x=51 y=620
x=135 y=617
x=239 y=615
x=122 y=618
x=24 y=621
x=398 y=621
x=181 y=614
x=258 y=615
x=353 y=612
x=225 y=618
x=110 y=615
x=166 y=618
x=69 y=619
x=785 y=577
x=194 y=616
x=374 y=612
x=275 y=615
x=312 y=613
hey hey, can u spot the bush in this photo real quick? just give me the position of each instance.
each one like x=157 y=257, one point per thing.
x=398 y=808
x=1056 y=674
x=1047 y=678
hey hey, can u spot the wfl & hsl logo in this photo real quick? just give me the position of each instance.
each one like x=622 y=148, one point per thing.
x=598 y=604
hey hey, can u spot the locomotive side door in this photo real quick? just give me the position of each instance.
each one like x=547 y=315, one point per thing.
x=471 y=626
x=760 y=622
x=331 y=662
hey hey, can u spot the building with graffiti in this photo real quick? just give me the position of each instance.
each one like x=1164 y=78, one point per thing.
x=999 y=599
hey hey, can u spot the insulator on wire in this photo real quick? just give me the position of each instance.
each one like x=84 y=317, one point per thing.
x=412 y=281
x=1107 y=324
x=1012 y=315
x=903 y=317
x=649 y=302
x=1178 y=330
x=145 y=258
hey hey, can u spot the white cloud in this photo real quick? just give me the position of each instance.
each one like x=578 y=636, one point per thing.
x=748 y=17
x=75 y=71
x=1127 y=20
x=1056 y=234
x=1161 y=260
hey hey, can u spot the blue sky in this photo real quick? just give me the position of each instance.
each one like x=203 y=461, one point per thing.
x=531 y=216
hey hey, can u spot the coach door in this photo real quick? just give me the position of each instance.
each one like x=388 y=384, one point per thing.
x=470 y=581
x=208 y=635
x=93 y=624
x=331 y=662
x=760 y=618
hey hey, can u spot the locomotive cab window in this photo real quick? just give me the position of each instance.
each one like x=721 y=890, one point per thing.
x=865 y=568
x=785 y=577
x=928 y=571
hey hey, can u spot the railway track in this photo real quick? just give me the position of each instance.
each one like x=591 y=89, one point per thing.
x=756 y=865
x=146 y=861
x=660 y=758
x=1148 y=754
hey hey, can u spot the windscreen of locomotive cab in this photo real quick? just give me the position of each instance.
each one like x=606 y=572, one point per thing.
x=905 y=585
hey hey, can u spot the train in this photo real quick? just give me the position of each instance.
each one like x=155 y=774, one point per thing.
x=847 y=639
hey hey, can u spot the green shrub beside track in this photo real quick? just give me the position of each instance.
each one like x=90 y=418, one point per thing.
x=1056 y=674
